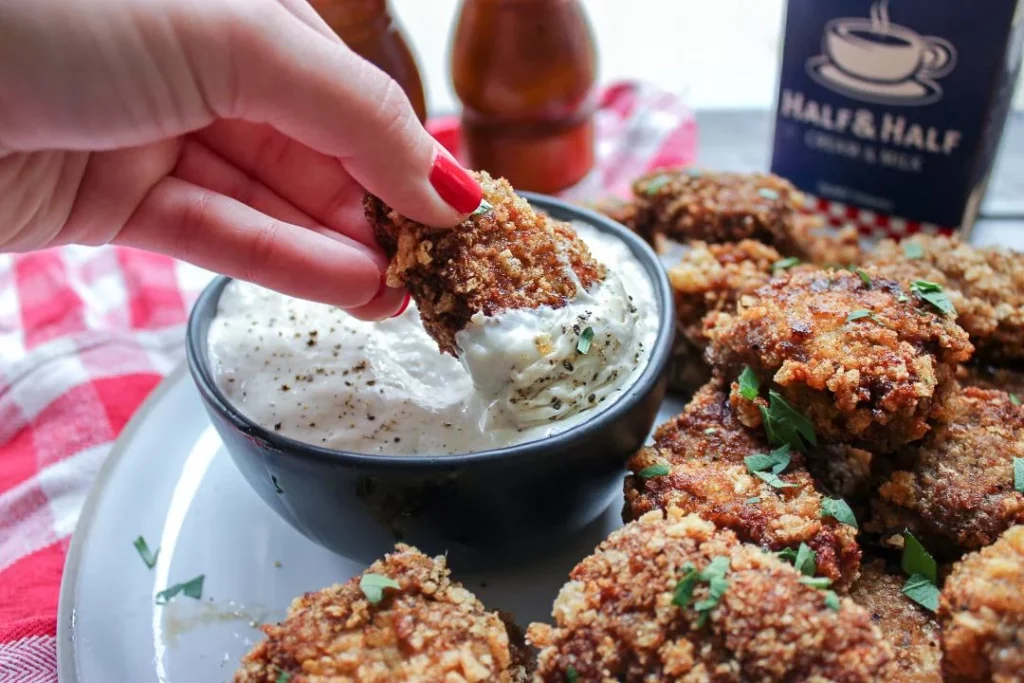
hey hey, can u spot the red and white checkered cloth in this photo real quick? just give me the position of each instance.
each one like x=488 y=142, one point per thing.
x=86 y=334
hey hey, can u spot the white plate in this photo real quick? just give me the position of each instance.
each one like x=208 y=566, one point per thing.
x=169 y=479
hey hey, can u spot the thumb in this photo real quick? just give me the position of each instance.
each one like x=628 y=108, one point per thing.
x=313 y=88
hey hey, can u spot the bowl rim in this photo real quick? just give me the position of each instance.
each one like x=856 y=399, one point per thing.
x=196 y=349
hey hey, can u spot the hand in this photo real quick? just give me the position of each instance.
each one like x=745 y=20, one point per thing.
x=239 y=135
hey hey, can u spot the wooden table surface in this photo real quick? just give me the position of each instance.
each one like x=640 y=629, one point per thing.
x=740 y=140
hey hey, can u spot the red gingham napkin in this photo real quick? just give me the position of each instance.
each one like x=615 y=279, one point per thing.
x=86 y=334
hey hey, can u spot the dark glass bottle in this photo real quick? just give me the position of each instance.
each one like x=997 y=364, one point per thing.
x=368 y=27
x=525 y=72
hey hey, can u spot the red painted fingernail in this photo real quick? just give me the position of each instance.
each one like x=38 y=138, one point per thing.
x=405 y=305
x=454 y=184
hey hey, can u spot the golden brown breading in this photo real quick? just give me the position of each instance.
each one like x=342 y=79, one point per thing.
x=430 y=629
x=508 y=257
x=985 y=284
x=911 y=631
x=689 y=204
x=981 y=610
x=705 y=446
x=615 y=619
x=955 y=490
x=875 y=382
x=826 y=246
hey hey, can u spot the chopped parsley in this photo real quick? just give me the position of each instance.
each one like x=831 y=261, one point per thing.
x=749 y=384
x=657 y=182
x=832 y=600
x=785 y=264
x=484 y=207
x=902 y=298
x=923 y=573
x=585 y=340
x=933 y=294
x=912 y=250
x=713 y=575
x=190 y=589
x=802 y=558
x=917 y=560
x=373 y=586
x=148 y=557
x=768 y=193
x=864 y=277
x=838 y=510
x=1015 y=399
x=1018 y=475
x=784 y=425
x=922 y=591
x=769 y=467
x=651 y=471
x=820 y=582
x=282 y=675
x=861 y=313
x=683 y=593
x=753 y=500
x=571 y=675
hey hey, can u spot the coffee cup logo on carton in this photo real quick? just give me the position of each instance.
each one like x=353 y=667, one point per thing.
x=897 y=114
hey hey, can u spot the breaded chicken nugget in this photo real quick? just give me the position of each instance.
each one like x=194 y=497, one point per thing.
x=981 y=610
x=861 y=357
x=428 y=628
x=507 y=257
x=911 y=631
x=955 y=491
x=985 y=284
x=671 y=598
x=703 y=450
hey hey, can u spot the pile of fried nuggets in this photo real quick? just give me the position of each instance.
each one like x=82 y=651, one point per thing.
x=845 y=404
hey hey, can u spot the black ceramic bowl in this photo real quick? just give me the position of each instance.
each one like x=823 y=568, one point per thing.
x=486 y=508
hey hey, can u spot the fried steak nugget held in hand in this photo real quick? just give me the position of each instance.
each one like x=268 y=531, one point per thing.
x=508 y=257
x=911 y=631
x=955 y=491
x=860 y=356
x=985 y=284
x=619 y=618
x=428 y=629
x=981 y=610
x=704 y=449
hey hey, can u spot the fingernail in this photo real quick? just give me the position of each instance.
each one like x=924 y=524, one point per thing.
x=454 y=184
x=405 y=305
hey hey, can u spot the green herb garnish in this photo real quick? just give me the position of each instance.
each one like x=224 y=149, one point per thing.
x=912 y=250
x=714 y=574
x=863 y=277
x=784 y=425
x=373 y=586
x=768 y=193
x=683 y=593
x=804 y=561
x=1015 y=399
x=586 y=338
x=933 y=294
x=749 y=384
x=656 y=183
x=1018 y=475
x=753 y=500
x=769 y=467
x=832 y=600
x=917 y=560
x=571 y=675
x=785 y=264
x=190 y=589
x=863 y=313
x=143 y=550
x=816 y=581
x=903 y=298
x=484 y=207
x=282 y=675
x=650 y=472
x=922 y=591
x=838 y=510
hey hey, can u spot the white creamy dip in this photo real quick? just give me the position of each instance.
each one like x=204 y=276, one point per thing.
x=316 y=374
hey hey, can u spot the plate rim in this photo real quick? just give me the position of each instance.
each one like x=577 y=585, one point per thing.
x=67 y=665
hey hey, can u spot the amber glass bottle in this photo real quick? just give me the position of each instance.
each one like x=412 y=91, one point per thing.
x=525 y=71
x=368 y=28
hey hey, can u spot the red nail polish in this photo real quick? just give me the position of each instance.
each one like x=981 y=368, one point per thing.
x=405 y=305
x=454 y=184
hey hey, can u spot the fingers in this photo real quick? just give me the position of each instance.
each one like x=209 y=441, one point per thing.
x=215 y=232
x=317 y=91
x=315 y=183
